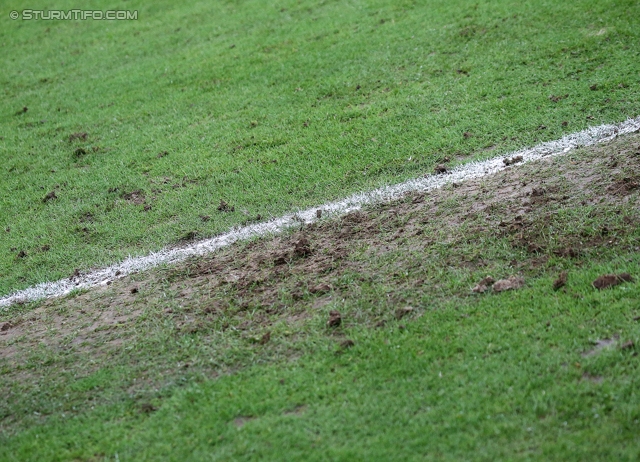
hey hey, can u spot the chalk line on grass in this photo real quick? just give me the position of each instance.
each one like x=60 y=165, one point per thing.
x=590 y=136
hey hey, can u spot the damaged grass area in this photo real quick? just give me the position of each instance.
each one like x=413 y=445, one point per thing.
x=492 y=319
x=147 y=125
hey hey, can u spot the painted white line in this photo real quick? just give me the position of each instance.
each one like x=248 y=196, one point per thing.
x=590 y=136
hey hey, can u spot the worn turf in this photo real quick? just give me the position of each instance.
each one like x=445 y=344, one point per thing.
x=369 y=337
x=118 y=138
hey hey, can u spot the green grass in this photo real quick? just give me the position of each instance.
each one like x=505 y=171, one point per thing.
x=183 y=373
x=272 y=106
x=501 y=377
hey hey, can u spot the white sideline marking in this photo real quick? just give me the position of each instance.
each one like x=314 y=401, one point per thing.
x=590 y=136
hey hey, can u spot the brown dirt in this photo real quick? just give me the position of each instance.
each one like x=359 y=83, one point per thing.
x=610 y=280
x=134 y=197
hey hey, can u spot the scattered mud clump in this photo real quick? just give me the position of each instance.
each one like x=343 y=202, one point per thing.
x=225 y=207
x=610 y=280
x=335 y=319
x=483 y=285
x=302 y=248
x=79 y=152
x=5 y=326
x=205 y=218
x=135 y=197
x=265 y=338
x=134 y=290
x=512 y=160
x=512 y=283
x=467 y=135
x=162 y=154
x=440 y=169
x=22 y=254
x=561 y=281
x=49 y=197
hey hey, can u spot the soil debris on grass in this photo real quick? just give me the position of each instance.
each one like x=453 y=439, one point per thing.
x=440 y=169
x=135 y=197
x=483 y=285
x=511 y=283
x=335 y=319
x=302 y=248
x=265 y=338
x=417 y=252
x=79 y=152
x=225 y=207
x=560 y=281
x=611 y=280
x=512 y=160
x=50 y=196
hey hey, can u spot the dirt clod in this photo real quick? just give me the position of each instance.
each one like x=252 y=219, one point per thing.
x=467 y=135
x=319 y=213
x=134 y=290
x=50 y=196
x=610 y=280
x=302 y=248
x=79 y=152
x=22 y=254
x=440 y=168
x=265 y=338
x=225 y=207
x=561 y=281
x=5 y=326
x=335 y=319
x=512 y=160
x=512 y=283
x=162 y=154
x=483 y=285
x=205 y=218
x=135 y=197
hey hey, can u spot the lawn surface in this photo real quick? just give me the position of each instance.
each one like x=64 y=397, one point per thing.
x=239 y=356
x=120 y=137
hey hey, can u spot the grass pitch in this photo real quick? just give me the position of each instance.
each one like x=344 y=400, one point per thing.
x=239 y=356
x=118 y=138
